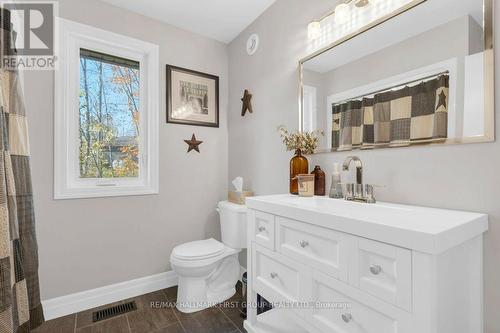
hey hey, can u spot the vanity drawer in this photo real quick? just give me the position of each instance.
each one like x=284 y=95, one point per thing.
x=275 y=277
x=324 y=249
x=356 y=313
x=384 y=271
x=264 y=229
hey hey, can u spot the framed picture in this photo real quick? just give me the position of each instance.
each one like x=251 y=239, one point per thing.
x=192 y=97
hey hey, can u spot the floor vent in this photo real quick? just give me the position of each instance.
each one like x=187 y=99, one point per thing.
x=113 y=311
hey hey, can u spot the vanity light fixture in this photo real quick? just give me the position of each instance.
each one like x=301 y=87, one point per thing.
x=342 y=14
x=314 y=30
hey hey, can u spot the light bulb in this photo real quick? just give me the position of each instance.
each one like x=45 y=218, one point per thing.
x=314 y=30
x=342 y=13
x=362 y=3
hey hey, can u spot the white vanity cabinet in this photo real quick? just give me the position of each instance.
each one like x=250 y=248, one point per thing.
x=331 y=266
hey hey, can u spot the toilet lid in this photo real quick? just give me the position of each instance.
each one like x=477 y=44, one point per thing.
x=201 y=249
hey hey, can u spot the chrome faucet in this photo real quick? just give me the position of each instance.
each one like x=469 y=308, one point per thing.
x=359 y=168
x=358 y=191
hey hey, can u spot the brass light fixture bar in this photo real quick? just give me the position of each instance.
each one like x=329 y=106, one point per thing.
x=341 y=13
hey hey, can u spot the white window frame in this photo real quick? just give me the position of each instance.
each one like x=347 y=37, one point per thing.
x=67 y=183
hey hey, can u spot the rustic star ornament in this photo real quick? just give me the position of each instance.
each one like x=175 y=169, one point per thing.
x=247 y=103
x=193 y=144
x=442 y=100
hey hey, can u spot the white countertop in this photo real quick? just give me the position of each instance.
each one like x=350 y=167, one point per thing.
x=423 y=229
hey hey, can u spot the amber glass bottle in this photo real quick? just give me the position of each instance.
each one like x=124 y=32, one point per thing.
x=298 y=165
x=319 y=180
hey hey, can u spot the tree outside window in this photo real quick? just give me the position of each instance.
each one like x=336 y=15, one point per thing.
x=109 y=116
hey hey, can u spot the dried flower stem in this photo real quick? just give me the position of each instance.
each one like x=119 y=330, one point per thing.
x=307 y=142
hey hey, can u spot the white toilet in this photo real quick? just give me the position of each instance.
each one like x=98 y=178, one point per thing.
x=208 y=269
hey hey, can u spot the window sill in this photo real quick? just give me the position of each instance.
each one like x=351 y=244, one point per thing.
x=104 y=192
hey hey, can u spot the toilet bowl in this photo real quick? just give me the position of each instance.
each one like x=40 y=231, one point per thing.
x=208 y=269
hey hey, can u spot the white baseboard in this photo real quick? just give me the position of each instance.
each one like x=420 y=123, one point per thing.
x=65 y=305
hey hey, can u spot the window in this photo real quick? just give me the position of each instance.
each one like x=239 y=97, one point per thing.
x=106 y=121
x=109 y=116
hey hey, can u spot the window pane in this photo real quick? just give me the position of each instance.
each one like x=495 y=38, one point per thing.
x=109 y=116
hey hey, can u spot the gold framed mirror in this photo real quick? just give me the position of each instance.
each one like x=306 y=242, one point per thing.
x=422 y=73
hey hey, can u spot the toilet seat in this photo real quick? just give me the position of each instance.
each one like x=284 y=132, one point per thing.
x=198 y=250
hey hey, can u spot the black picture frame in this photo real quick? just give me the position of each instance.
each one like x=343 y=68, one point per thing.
x=169 y=85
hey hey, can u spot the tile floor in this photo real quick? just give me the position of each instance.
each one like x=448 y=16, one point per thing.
x=224 y=318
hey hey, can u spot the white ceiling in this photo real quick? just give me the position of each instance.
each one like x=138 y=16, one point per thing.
x=222 y=20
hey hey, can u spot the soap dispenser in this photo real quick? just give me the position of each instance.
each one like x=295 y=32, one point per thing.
x=336 y=187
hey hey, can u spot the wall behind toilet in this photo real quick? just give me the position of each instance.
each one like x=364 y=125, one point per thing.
x=89 y=243
x=462 y=177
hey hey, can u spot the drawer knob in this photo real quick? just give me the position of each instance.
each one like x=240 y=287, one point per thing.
x=274 y=275
x=346 y=317
x=375 y=269
x=304 y=243
x=261 y=229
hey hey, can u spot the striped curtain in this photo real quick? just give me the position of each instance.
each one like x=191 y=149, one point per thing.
x=394 y=118
x=20 y=307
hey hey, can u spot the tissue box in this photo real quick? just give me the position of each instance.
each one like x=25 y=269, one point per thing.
x=238 y=197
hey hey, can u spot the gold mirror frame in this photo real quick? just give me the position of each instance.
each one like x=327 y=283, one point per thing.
x=489 y=76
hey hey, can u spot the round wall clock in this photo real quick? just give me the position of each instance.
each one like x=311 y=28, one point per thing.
x=252 y=44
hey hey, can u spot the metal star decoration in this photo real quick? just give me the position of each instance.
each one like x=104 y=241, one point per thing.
x=247 y=103
x=193 y=144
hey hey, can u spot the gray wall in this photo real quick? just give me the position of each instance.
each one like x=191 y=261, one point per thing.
x=89 y=243
x=457 y=177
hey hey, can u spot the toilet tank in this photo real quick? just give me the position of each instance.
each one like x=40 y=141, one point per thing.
x=233 y=224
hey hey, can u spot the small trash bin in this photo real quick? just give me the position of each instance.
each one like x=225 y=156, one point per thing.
x=262 y=304
x=243 y=308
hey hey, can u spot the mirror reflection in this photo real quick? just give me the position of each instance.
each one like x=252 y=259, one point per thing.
x=420 y=77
